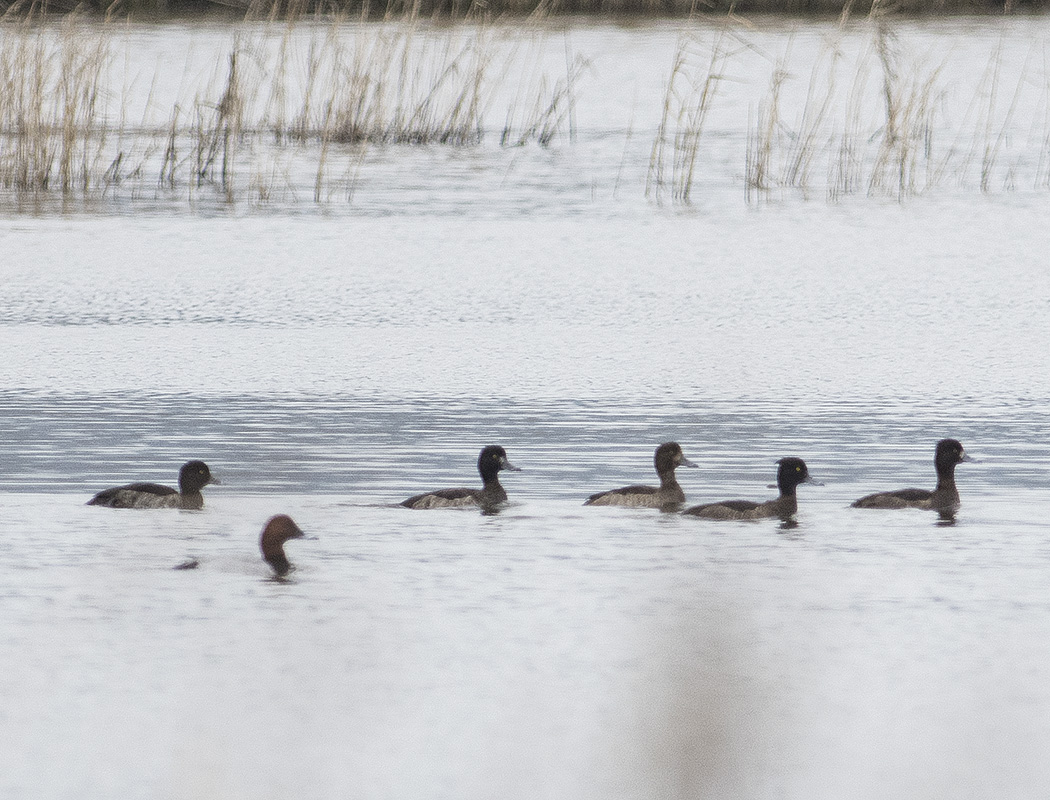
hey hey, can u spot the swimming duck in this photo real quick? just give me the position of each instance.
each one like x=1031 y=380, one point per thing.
x=944 y=498
x=276 y=532
x=193 y=477
x=668 y=456
x=790 y=473
x=491 y=460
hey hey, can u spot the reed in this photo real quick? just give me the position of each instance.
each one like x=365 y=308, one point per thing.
x=763 y=138
x=690 y=91
x=548 y=112
x=905 y=146
x=846 y=167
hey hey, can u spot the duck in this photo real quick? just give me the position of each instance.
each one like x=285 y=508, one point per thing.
x=668 y=456
x=278 y=530
x=491 y=460
x=943 y=499
x=790 y=473
x=193 y=477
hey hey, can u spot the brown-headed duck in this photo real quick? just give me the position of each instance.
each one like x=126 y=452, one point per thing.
x=668 y=456
x=277 y=531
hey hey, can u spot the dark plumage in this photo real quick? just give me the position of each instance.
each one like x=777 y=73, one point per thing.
x=668 y=456
x=193 y=477
x=790 y=473
x=944 y=498
x=491 y=460
x=276 y=532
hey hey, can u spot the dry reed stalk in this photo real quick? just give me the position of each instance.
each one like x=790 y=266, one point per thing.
x=688 y=98
x=763 y=139
x=906 y=140
x=171 y=153
x=1042 y=132
x=654 y=181
x=806 y=145
x=846 y=170
x=995 y=144
x=693 y=118
x=551 y=107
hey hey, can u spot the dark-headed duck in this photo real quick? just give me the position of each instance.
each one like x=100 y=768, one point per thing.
x=193 y=477
x=277 y=531
x=790 y=473
x=491 y=460
x=943 y=499
x=668 y=456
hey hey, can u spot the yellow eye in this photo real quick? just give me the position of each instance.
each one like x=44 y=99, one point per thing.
x=798 y=469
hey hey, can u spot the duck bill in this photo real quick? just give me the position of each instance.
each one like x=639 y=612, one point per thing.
x=505 y=464
x=685 y=462
x=812 y=480
x=964 y=456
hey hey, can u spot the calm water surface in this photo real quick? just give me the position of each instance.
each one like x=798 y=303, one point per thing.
x=330 y=365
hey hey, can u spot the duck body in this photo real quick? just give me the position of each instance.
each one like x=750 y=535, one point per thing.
x=451 y=498
x=945 y=496
x=193 y=477
x=790 y=473
x=909 y=498
x=667 y=458
x=491 y=461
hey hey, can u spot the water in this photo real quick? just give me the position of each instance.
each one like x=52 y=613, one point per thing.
x=328 y=363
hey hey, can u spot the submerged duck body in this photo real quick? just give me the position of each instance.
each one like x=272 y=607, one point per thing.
x=668 y=456
x=945 y=496
x=193 y=477
x=275 y=533
x=790 y=473
x=491 y=461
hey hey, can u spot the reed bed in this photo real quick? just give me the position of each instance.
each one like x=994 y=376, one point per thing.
x=467 y=9
x=50 y=125
x=862 y=115
x=66 y=129
x=895 y=129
